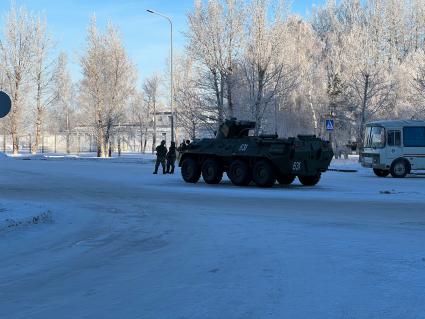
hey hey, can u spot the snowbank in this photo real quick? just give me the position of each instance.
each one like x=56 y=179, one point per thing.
x=16 y=214
x=124 y=158
x=3 y=156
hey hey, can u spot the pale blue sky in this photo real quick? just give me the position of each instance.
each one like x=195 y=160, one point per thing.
x=146 y=36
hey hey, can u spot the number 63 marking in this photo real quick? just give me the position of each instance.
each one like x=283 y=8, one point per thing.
x=296 y=166
x=243 y=147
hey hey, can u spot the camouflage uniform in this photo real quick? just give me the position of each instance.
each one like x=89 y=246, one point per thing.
x=161 y=154
x=171 y=158
x=181 y=149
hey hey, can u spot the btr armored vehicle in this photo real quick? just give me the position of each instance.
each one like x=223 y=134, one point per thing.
x=260 y=159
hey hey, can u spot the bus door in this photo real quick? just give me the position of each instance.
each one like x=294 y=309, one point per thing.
x=394 y=149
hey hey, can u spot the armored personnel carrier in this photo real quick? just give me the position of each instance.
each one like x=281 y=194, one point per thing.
x=260 y=159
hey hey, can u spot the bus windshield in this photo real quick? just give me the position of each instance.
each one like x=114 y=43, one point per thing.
x=374 y=137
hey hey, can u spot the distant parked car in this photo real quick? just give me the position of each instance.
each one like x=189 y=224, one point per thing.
x=394 y=147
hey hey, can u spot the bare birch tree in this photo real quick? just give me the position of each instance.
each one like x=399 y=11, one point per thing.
x=215 y=31
x=191 y=109
x=151 y=92
x=139 y=115
x=43 y=78
x=267 y=69
x=369 y=81
x=62 y=109
x=414 y=70
x=108 y=83
x=16 y=49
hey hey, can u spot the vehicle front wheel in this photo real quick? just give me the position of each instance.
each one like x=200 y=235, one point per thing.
x=191 y=172
x=263 y=174
x=239 y=173
x=285 y=179
x=399 y=169
x=381 y=172
x=212 y=172
x=309 y=180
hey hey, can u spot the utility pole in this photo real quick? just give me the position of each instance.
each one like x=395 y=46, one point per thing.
x=171 y=69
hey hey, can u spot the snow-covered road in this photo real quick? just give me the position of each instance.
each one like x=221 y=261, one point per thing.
x=121 y=243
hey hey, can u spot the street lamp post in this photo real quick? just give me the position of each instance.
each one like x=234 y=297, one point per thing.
x=171 y=69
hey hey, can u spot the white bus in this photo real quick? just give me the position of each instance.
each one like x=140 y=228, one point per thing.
x=394 y=147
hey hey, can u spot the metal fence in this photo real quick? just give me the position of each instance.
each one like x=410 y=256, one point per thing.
x=81 y=143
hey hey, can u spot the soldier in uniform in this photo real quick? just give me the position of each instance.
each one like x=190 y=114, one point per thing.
x=181 y=148
x=161 y=154
x=183 y=145
x=171 y=158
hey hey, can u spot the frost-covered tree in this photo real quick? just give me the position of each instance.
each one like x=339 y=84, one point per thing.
x=139 y=115
x=264 y=63
x=304 y=53
x=17 y=55
x=43 y=78
x=191 y=109
x=151 y=91
x=214 y=41
x=368 y=78
x=414 y=70
x=108 y=82
x=62 y=112
x=415 y=24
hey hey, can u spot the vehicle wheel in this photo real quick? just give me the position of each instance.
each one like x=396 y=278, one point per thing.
x=285 y=179
x=381 y=172
x=263 y=174
x=309 y=180
x=191 y=172
x=399 y=168
x=212 y=173
x=239 y=173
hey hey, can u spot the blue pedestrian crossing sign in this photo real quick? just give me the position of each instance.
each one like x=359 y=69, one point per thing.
x=330 y=125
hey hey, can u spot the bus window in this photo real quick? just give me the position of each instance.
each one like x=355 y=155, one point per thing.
x=374 y=137
x=394 y=138
x=397 y=138
x=377 y=137
x=414 y=136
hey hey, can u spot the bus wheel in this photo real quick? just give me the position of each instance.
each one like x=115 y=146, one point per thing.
x=399 y=168
x=381 y=172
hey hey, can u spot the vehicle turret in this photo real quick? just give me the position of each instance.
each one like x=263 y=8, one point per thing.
x=233 y=128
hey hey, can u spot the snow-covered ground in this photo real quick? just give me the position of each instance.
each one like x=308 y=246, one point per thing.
x=107 y=239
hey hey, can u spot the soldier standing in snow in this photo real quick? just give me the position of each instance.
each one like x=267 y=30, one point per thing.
x=161 y=154
x=171 y=158
x=181 y=148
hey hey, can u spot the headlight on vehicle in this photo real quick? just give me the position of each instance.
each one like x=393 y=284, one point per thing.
x=376 y=159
